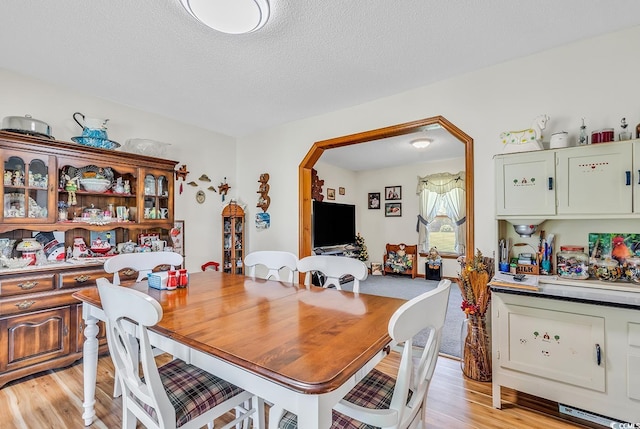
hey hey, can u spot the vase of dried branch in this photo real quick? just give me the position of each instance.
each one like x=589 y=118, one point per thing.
x=476 y=348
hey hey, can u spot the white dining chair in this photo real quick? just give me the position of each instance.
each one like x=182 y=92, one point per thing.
x=173 y=395
x=143 y=263
x=333 y=268
x=380 y=400
x=273 y=261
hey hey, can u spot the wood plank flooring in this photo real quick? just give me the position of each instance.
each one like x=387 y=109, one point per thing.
x=53 y=400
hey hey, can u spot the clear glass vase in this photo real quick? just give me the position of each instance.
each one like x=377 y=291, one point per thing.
x=475 y=344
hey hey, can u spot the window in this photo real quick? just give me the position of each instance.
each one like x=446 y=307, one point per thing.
x=442 y=212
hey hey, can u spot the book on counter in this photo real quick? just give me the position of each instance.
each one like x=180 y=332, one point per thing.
x=527 y=282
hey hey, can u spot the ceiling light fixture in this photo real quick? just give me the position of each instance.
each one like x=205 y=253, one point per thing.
x=230 y=16
x=421 y=143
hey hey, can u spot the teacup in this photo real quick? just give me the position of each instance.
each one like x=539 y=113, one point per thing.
x=158 y=245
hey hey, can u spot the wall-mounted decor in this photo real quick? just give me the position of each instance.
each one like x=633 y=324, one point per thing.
x=393 y=209
x=316 y=186
x=393 y=192
x=177 y=236
x=263 y=221
x=200 y=197
x=181 y=173
x=331 y=194
x=263 y=189
x=341 y=191
x=374 y=200
x=224 y=188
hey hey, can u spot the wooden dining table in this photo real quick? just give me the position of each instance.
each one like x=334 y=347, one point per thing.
x=301 y=348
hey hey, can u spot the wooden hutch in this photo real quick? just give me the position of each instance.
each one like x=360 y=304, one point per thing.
x=41 y=324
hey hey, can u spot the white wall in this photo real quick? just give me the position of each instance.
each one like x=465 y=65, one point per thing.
x=564 y=83
x=203 y=151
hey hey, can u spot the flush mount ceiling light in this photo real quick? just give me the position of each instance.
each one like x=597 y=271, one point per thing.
x=230 y=16
x=421 y=143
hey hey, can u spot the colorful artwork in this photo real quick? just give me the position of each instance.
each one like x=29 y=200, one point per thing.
x=615 y=246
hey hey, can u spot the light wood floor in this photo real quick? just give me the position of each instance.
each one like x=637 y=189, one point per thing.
x=53 y=399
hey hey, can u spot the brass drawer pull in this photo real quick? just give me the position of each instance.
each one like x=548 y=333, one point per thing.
x=27 y=285
x=83 y=278
x=129 y=272
x=25 y=304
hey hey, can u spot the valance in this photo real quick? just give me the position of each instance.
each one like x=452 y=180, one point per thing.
x=441 y=183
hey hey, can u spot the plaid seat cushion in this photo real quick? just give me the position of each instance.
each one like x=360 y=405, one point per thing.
x=374 y=391
x=192 y=391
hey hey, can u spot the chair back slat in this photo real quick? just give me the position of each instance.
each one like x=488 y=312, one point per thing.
x=334 y=268
x=274 y=261
x=143 y=263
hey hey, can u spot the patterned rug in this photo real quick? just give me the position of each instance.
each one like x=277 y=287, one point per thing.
x=398 y=286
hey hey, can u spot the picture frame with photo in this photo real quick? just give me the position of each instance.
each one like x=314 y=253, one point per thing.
x=393 y=209
x=341 y=190
x=393 y=193
x=373 y=201
x=331 y=194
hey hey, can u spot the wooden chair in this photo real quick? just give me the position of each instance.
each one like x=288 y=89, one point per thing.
x=334 y=268
x=407 y=264
x=274 y=261
x=174 y=395
x=379 y=400
x=130 y=264
x=210 y=265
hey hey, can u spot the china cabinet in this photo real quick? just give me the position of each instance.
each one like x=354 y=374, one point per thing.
x=233 y=239
x=40 y=322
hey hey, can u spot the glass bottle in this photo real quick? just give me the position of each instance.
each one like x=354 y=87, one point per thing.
x=624 y=134
x=583 y=139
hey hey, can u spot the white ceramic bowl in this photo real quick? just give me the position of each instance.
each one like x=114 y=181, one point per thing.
x=95 y=185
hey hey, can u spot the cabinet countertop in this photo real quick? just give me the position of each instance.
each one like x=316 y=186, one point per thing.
x=616 y=294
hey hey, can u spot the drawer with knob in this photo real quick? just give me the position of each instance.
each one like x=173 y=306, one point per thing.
x=81 y=278
x=23 y=304
x=26 y=284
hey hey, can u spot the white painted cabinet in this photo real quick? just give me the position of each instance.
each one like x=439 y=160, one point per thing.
x=595 y=179
x=582 y=355
x=526 y=183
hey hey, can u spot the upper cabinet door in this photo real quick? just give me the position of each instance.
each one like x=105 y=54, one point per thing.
x=157 y=189
x=28 y=185
x=595 y=179
x=635 y=176
x=525 y=184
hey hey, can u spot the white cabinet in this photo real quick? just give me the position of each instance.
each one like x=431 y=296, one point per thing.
x=526 y=183
x=579 y=354
x=595 y=179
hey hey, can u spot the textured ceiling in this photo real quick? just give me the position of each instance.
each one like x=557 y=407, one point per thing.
x=312 y=57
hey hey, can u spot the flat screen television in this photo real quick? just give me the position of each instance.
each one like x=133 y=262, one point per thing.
x=333 y=224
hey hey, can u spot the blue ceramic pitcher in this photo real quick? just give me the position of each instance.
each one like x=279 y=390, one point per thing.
x=92 y=127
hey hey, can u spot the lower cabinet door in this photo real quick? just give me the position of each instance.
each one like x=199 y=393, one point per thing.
x=35 y=337
x=561 y=346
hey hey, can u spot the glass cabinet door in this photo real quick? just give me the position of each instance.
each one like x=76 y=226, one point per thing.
x=156 y=197
x=26 y=192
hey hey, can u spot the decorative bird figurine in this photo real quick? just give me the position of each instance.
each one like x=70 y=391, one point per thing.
x=192 y=183
x=211 y=188
x=204 y=178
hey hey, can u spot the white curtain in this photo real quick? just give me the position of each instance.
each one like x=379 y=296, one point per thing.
x=434 y=189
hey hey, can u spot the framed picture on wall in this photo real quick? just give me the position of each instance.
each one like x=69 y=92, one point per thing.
x=374 y=200
x=393 y=192
x=341 y=190
x=331 y=194
x=177 y=236
x=393 y=209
